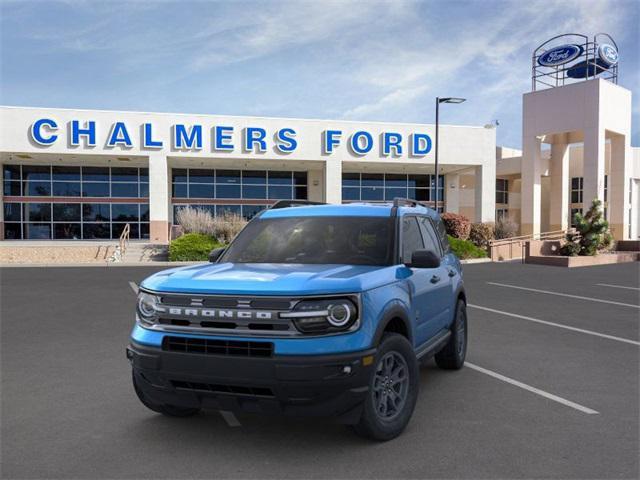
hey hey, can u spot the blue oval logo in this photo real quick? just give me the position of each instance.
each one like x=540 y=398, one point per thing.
x=560 y=55
x=608 y=54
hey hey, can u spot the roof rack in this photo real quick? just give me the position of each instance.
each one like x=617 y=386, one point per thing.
x=294 y=203
x=399 y=202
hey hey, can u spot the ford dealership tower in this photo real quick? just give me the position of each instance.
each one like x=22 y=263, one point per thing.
x=576 y=99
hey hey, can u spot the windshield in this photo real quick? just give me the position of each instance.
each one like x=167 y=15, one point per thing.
x=332 y=240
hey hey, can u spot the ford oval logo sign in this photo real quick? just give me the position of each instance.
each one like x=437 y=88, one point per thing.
x=608 y=54
x=560 y=55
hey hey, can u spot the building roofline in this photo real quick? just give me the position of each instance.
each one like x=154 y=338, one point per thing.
x=21 y=107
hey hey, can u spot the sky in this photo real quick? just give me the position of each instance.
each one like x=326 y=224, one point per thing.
x=343 y=60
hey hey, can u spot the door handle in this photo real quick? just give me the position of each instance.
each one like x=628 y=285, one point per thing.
x=452 y=273
x=435 y=279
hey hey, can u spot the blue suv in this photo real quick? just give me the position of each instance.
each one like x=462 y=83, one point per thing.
x=312 y=310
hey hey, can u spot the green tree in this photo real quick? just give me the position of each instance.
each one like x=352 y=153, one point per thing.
x=591 y=235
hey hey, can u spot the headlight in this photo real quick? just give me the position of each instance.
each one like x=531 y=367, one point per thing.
x=146 y=307
x=324 y=315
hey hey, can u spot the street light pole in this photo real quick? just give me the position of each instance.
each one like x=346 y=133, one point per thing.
x=436 y=147
x=438 y=102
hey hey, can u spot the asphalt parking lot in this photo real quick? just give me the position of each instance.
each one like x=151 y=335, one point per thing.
x=551 y=389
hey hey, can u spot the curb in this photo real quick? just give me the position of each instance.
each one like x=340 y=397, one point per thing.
x=98 y=265
x=471 y=261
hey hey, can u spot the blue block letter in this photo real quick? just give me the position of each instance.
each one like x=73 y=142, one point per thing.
x=119 y=136
x=355 y=142
x=222 y=136
x=36 y=131
x=421 y=144
x=286 y=142
x=331 y=140
x=147 y=138
x=183 y=139
x=392 y=140
x=253 y=136
x=89 y=131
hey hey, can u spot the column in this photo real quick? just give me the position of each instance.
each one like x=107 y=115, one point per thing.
x=159 y=198
x=559 y=201
x=1 y=204
x=333 y=181
x=531 y=172
x=485 y=191
x=452 y=192
x=593 y=166
x=619 y=186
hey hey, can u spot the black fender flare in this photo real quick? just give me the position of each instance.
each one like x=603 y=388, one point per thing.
x=395 y=310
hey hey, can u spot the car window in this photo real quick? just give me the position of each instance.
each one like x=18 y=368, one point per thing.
x=442 y=233
x=315 y=240
x=411 y=238
x=429 y=236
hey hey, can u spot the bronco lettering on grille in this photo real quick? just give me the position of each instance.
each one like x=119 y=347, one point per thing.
x=217 y=313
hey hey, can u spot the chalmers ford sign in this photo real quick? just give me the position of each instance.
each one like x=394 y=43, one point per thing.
x=220 y=138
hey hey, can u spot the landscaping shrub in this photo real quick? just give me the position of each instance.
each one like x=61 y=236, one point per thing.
x=458 y=226
x=192 y=247
x=591 y=235
x=195 y=220
x=222 y=227
x=505 y=228
x=227 y=226
x=481 y=234
x=464 y=249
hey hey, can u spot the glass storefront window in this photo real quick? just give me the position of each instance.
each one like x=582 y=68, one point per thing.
x=66 y=173
x=197 y=190
x=66 y=212
x=36 y=172
x=96 y=212
x=12 y=188
x=129 y=190
x=375 y=187
x=37 y=189
x=12 y=212
x=37 y=231
x=37 y=212
x=95 y=189
x=74 y=219
x=67 y=231
x=124 y=212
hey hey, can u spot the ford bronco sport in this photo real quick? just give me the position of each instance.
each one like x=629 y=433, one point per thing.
x=311 y=310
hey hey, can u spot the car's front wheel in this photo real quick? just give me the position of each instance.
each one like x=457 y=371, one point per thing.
x=393 y=390
x=169 y=410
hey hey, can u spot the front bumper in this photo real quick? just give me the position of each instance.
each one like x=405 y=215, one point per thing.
x=318 y=385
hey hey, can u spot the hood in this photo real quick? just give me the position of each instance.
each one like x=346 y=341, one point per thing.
x=269 y=279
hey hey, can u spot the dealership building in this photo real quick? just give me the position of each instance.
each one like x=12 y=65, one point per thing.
x=85 y=174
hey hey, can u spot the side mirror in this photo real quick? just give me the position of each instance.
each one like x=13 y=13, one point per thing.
x=424 y=259
x=215 y=254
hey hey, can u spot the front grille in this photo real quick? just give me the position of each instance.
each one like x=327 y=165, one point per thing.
x=215 y=388
x=207 y=346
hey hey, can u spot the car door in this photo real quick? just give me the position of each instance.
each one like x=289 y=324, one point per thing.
x=423 y=284
x=444 y=285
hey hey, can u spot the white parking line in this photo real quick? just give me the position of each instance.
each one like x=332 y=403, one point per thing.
x=590 y=299
x=230 y=418
x=134 y=287
x=552 y=324
x=616 y=286
x=537 y=391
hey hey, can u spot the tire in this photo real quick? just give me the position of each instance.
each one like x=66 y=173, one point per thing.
x=168 y=410
x=452 y=355
x=385 y=415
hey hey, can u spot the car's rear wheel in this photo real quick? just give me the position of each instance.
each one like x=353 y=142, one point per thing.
x=393 y=390
x=452 y=356
x=169 y=410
